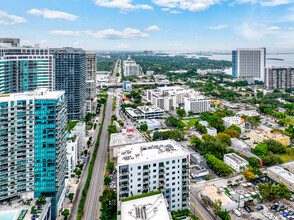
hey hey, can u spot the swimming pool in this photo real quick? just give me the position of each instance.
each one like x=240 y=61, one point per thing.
x=8 y=215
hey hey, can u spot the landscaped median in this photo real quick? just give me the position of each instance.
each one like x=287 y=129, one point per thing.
x=87 y=184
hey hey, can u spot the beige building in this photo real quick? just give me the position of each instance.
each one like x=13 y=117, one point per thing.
x=260 y=135
x=279 y=174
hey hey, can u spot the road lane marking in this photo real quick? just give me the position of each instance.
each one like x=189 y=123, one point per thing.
x=197 y=210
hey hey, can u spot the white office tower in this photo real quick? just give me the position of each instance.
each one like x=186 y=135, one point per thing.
x=279 y=77
x=197 y=104
x=91 y=63
x=249 y=63
x=151 y=166
x=130 y=67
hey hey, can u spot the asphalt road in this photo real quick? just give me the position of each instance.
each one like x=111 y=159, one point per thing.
x=91 y=206
x=83 y=178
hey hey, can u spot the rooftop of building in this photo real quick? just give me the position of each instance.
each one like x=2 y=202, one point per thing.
x=273 y=135
x=150 y=151
x=148 y=121
x=197 y=169
x=282 y=173
x=41 y=93
x=149 y=109
x=125 y=138
x=237 y=159
x=250 y=113
x=215 y=194
x=151 y=207
x=133 y=112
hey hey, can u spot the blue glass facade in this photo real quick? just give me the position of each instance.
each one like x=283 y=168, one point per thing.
x=50 y=149
x=235 y=64
x=70 y=76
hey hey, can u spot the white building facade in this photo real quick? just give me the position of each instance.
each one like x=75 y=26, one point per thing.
x=197 y=104
x=130 y=67
x=236 y=162
x=151 y=166
x=234 y=120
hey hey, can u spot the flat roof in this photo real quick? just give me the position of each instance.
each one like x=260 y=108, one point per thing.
x=151 y=151
x=41 y=93
x=236 y=158
x=133 y=112
x=155 y=208
x=216 y=194
x=122 y=139
x=149 y=109
x=282 y=173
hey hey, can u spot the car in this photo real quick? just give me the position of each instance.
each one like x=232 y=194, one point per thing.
x=274 y=207
x=237 y=212
x=285 y=214
x=247 y=209
x=259 y=208
x=291 y=199
x=241 y=210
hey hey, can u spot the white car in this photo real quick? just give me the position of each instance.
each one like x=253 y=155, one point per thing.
x=241 y=210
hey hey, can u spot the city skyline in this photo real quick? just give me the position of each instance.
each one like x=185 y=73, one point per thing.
x=168 y=25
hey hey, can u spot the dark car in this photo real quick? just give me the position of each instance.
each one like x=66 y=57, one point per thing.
x=274 y=207
x=251 y=209
x=247 y=209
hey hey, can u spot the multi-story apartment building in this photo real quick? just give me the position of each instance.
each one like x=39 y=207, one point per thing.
x=70 y=75
x=145 y=112
x=75 y=144
x=9 y=42
x=279 y=174
x=91 y=63
x=234 y=120
x=249 y=63
x=130 y=67
x=24 y=68
x=279 y=77
x=197 y=104
x=260 y=135
x=236 y=162
x=169 y=98
x=33 y=145
x=151 y=166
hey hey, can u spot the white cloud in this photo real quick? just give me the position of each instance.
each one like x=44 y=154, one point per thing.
x=125 y=5
x=175 y=12
x=50 y=14
x=127 y=33
x=270 y=3
x=218 y=27
x=191 y=5
x=152 y=28
x=123 y=46
x=7 y=19
x=165 y=9
x=272 y=28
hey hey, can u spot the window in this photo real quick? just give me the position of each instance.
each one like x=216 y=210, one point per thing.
x=173 y=189
x=167 y=162
x=173 y=161
x=139 y=185
x=154 y=165
x=139 y=167
x=154 y=176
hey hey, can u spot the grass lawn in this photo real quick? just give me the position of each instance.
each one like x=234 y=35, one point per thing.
x=287 y=158
x=71 y=124
x=190 y=122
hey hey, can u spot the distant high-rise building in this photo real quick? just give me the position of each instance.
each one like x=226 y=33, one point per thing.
x=33 y=145
x=130 y=67
x=70 y=75
x=279 y=77
x=149 y=52
x=25 y=68
x=91 y=66
x=249 y=63
x=9 y=42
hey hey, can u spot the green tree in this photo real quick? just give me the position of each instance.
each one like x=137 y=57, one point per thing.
x=234 y=127
x=281 y=191
x=233 y=133
x=65 y=213
x=181 y=112
x=144 y=127
x=111 y=129
x=223 y=137
x=261 y=149
x=275 y=146
x=71 y=196
x=107 y=180
x=110 y=166
x=121 y=123
x=195 y=142
x=248 y=175
x=78 y=173
x=108 y=201
x=253 y=162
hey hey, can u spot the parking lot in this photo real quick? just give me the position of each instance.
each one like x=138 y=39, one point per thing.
x=271 y=210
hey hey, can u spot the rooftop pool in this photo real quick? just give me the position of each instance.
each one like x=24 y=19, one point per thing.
x=8 y=215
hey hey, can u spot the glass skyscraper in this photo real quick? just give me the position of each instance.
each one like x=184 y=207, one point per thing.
x=25 y=69
x=70 y=76
x=33 y=128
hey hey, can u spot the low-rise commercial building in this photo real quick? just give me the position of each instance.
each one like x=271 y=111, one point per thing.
x=156 y=165
x=144 y=112
x=236 y=162
x=152 y=124
x=260 y=135
x=198 y=171
x=279 y=174
x=211 y=131
x=234 y=120
x=152 y=207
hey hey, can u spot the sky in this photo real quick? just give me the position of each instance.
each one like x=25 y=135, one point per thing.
x=161 y=25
